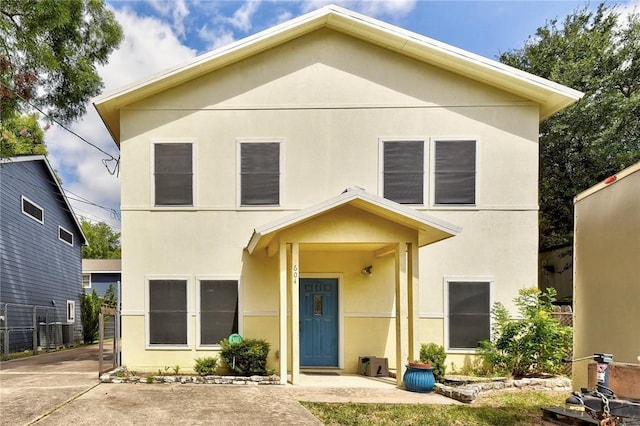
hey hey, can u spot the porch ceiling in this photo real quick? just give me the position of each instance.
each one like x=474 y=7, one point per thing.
x=429 y=229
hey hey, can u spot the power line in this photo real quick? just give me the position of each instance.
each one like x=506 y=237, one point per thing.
x=104 y=161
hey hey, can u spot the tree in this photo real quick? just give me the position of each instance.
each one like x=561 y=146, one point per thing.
x=597 y=53
x=49 y=50
x=102 y=241
x=89 y=315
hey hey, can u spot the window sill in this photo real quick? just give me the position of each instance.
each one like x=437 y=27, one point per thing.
x=470 y=351
x=167 y=347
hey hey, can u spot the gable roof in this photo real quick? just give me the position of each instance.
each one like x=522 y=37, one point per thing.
x=552 y=97
x=429 y=228
x=54 y=180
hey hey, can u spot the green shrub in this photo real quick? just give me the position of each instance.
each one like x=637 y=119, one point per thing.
x=206 y=366
x=435 y=355
x=246 y=358
x=89 y=315
x=532 y=345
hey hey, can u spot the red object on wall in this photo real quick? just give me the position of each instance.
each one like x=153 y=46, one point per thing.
x=610 y=179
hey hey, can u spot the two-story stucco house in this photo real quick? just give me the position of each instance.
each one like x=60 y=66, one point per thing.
x=336 y=185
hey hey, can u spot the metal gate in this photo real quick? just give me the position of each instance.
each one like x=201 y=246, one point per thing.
x=108 y=339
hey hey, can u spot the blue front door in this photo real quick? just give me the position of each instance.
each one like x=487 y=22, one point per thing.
x=319 y=322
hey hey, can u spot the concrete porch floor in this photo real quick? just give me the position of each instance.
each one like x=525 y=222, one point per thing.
x=343 y=388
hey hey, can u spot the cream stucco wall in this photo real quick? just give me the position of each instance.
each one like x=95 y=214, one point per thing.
x=329 y=100
x=607 y=272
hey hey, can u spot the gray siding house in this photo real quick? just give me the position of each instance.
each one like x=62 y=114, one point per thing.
x=40 y=258
x=99 y=274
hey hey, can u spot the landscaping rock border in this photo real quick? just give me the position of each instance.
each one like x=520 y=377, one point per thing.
x=469 y=392
x=116 y=376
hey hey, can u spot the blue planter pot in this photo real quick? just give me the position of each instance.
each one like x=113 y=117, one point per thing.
x=419 y=379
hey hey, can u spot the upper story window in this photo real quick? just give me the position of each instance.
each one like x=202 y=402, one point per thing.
x=65 y=235
x=403 y=171
x=259 y=173
x=454 y=172
x=32 y=210
x=173 y=174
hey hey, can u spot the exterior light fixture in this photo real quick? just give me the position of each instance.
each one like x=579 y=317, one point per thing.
x=367 y=270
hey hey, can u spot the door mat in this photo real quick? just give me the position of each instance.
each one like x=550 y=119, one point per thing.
x=320 y=373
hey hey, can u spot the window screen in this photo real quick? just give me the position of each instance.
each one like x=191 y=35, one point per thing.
x=469 y=314
x=259 y=174
x=455 y=172
x=173 y=174
x=404 y=172
x=218 y=310
x=168 y=312
x=30 y=209
x=65 y=235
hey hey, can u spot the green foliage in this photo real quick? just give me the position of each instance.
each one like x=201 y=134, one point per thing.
x=248 y=357
x=532 y=345
x=206 y=366
x=103 y=242
x=49 y=50
x=599 y=54
x=89 y=311
x=110 y=298
x=436 y=356
x=21 y=135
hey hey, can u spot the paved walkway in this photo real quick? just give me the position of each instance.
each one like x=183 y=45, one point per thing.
x=62 y=388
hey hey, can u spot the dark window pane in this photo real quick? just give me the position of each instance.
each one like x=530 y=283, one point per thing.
x=32 y=210
x=259 y=174
x=469 y=313
x=404 y=172
x=455 y=172
x=65 y=235
x=168 y=312
x=218 y=310
x=173 y=174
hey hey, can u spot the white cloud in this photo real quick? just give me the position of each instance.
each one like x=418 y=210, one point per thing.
x=242 y=18
x=177 y=10
x=149 y=46
x=376 y=8
x=215 y=37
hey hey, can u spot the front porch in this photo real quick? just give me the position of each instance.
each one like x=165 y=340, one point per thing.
x=348 y=282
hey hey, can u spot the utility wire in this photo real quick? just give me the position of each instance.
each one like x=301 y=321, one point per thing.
x=116 y=168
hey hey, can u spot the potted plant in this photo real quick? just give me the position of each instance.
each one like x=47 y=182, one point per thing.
x=418 y=377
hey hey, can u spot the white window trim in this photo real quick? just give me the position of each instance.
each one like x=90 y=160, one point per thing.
x=425 y=165
x=474 y=279
x=281 y=197
x=147 y=338
x=194 y=170
x=69 y=232
x=432 y=170
x=22 y=199
x=200 y=278
x=71 y=309
x=82 y=282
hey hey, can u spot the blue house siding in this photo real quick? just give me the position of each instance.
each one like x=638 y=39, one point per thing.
x=100 y=282
x=36 y=267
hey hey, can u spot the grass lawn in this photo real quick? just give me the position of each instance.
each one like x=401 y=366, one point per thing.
x=500 y=408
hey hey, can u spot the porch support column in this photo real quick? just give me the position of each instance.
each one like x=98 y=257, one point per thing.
x=413 y=278
x=295 y=314
x=402 y=303
x=283 y=313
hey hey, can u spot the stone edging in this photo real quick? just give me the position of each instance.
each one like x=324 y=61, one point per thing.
x=468 y=393
x=112 y=377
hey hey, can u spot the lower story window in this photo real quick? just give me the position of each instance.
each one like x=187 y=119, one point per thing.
x=218 y=310
x=469 y=313
x=71 y=310
x=168 y=312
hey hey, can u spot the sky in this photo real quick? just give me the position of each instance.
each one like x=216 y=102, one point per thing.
x=161 y=34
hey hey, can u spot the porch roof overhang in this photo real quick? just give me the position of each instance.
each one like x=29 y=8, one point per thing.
x=429 y=228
